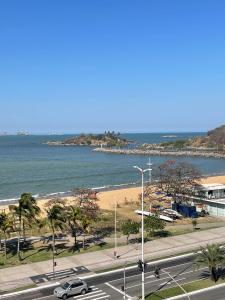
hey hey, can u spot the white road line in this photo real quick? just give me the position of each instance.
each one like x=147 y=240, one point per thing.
x=62 y=271
x=88 y=293
x=152 y=281
x=146 y=273
x=116 y=289
x=59 y=273
x=151 y=276
x=171 y=281
x=58 y=277
x=107 y=296
x=80 y=297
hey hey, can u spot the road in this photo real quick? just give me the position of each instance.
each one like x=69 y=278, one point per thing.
x=215 y=294
x=108 y=286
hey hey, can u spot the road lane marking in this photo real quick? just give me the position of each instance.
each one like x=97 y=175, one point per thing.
x=116 y=289
x=88 y=293
x=171 y=281
x=107 y=296
x=146 y=273
x=88 y=296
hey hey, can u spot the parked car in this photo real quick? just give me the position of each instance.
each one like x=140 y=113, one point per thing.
x=70 y=288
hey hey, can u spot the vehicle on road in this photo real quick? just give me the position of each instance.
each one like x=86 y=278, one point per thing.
x=70 y=288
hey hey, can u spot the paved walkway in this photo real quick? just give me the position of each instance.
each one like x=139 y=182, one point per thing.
x=20 y=275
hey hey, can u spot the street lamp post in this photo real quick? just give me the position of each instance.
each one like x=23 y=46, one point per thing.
x=124 y=280
x=115 y=233
x=142 y=230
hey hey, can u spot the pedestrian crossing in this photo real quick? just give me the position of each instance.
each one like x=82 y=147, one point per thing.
x=94 y=294
x=59 y=275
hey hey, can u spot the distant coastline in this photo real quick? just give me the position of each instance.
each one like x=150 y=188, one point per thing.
x=155 y=152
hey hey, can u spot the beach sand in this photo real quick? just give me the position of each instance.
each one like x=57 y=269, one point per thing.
x=107 y=199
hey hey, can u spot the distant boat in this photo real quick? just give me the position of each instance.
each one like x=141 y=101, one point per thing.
x=22 y=133
x=169 y=136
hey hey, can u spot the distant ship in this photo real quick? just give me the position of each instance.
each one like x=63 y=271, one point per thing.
x=169 y=136
x=22 y=133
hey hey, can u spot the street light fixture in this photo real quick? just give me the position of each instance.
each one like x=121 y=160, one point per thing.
x=115 y=233
x=142 y=171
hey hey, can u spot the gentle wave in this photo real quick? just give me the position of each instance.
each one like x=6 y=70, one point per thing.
x=68 y=193
x=99 y=188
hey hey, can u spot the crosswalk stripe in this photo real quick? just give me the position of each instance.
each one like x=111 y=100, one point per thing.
x=90 y=293
x=52 y=274
x=58 y=277
x=94 y=297
x=107 y=296
x=62 y=271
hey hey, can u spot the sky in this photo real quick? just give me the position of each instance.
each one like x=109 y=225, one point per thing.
x=125 y=65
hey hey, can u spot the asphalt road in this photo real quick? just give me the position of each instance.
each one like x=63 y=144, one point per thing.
x=216 y=294
x=108 y=286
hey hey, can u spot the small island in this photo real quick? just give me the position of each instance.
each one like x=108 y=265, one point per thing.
x=210 y=146
x=214 y=141
x=107 y=139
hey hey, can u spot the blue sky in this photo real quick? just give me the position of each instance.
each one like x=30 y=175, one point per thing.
x=127 y=65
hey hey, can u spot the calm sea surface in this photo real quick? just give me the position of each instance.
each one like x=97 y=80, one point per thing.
x=28 y=165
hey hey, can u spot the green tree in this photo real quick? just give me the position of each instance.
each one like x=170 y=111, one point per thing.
x=56 y=218
x=26 y=212
x=85 y=226
x=153 y=224
x=212 y=256
x=74 y=215
x=194 y=223
x=129 y=227
x=5 y=228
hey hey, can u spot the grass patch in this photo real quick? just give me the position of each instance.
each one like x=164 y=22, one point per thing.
x=189 y=287
x=45 y=253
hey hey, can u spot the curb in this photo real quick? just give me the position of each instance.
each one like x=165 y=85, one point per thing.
x=95 y=275
x=198 y=291
x=135 y=266
x=29 y=290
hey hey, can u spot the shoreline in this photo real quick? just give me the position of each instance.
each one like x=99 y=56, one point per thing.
x=162 y=153
x=107 y=195
x=105 y=188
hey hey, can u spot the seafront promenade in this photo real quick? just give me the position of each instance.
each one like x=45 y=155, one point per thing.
x=157 y=152
x=14 y=277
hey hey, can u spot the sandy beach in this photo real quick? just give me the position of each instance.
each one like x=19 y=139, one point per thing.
x=107 y=199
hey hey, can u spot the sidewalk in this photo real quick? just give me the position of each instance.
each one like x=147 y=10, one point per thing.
x=20 y=275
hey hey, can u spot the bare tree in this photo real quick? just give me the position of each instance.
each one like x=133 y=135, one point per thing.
x=175 y=179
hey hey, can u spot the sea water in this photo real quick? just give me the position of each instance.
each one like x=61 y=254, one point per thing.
x=27 y=164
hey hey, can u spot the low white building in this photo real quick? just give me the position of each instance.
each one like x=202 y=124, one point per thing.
x=210 y=198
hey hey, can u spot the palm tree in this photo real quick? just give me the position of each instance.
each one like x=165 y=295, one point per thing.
x=74 y=215
x=212 y=256
x=6 y=226
x=56 y=219
x=26 y=211
x=85 y=225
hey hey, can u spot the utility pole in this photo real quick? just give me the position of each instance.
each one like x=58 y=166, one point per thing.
x=115 y=227
x=149 y=164
x=124 y=281
x=142 y=171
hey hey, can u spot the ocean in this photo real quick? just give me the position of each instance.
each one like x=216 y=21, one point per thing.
x=27 y=164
